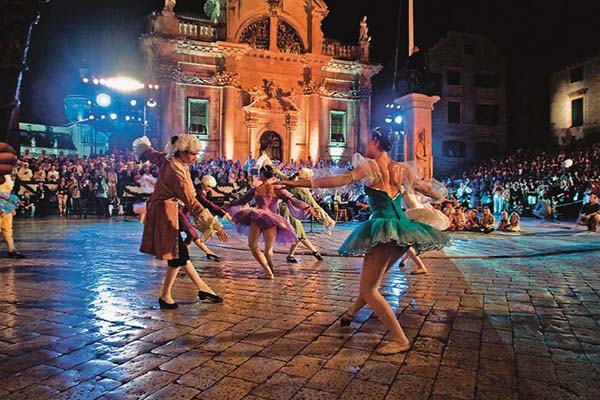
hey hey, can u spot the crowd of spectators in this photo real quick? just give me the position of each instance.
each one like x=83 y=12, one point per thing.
x=491 y=195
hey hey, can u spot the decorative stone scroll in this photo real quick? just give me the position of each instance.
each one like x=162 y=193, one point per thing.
x=271 y=97
x=223 y=78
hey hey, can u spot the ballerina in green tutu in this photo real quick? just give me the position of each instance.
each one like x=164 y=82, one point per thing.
x=388 y=234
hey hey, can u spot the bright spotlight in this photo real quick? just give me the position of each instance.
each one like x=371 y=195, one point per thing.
x=398 y=119
x=96 y=81
x=103 y=116
x=91 y=117
x=388 y=119
x=85 y=80
x=123 y=84
x=133 y=103
x=156 y=87
x=113 y=116
x=103 y=100
x=127 y=118
x=151 y=103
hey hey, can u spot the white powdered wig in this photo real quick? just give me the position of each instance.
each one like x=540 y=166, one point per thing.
x=209 y=180
x=184 y=142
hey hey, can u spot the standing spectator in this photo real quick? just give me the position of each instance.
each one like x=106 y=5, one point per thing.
x=75 y=195
x=43 y=200
x=6 y=218
x=101 y=193
x=62 y=195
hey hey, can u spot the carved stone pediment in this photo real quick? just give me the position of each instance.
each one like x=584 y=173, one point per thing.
x=270 y=97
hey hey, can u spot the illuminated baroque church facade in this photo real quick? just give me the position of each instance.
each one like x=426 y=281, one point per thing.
x=254 y=75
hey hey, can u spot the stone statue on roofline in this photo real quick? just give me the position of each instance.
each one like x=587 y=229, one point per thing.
x=169 y=5
x=212 y=8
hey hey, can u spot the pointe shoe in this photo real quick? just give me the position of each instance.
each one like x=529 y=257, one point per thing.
x=346 y=319
x=318 y=255
x=393 y=348
x=166 y=306
x=213 y=257
x=212 y=297
x=16 y=254
x=292 y=259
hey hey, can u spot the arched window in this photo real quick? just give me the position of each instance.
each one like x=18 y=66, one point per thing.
x=257 y=34
x=288 y=40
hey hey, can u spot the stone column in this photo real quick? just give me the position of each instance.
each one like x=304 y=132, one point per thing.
x=314 y=116
x=316 y=34
x=229 y=93
x=252 y=124
x=416 y=112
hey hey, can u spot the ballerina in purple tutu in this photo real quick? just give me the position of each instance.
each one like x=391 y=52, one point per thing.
x=264 y=218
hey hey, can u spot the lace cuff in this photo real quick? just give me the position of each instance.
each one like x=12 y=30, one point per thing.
x=207 y=223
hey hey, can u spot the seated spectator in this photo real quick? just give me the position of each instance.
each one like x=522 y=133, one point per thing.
x=487 y=221
x=590 y=213
x=25 y=174
x=27 y=208
x=460 y=220
x=472 y=223
x=52 y=176
x=515 y=222
x=543 y=208
x=39 y=175
x=504 y=223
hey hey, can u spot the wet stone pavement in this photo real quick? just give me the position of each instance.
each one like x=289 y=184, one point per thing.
x=498 y=317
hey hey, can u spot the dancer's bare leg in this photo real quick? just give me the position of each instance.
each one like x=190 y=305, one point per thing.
x=370 y=278
x=269 y=236
x=307 y=243
x=193 y=274
x=293 y=249
x=421 y=269
x=253 y=237
x=393 y=255
x=168 y=283
x=202 y=246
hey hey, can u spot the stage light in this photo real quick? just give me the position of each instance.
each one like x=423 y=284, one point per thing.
x=91 y=117
x=398 y=119
x=127 y=118
x=123 y=84
x=388 y=119
x=156 y=87
x=150 y=86
x=113 y=116
x=85 y=80
x=398 y=107
x=96 y=81
x=151 y=103
x=103 y=100
x=133 y=103
x=102 y=81
x=140 y=119
x=89 y=102
x=103 y=116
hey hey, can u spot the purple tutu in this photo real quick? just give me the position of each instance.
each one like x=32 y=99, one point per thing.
x=264 y=220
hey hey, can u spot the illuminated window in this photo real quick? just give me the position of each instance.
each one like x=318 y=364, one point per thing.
x=453 y=77
x=197 y=117
x=486 y=114
x=577 y=74
x=453 y=112
x=337 y=126
x=577 y=112
x=454 y=149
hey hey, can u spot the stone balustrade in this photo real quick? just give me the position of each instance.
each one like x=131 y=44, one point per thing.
x=340 y=50
x=196 y=28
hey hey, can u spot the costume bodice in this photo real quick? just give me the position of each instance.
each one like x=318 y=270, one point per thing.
x=384 y=206
x=266 y=202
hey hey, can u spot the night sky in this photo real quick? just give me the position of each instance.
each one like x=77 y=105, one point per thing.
x=535 y=36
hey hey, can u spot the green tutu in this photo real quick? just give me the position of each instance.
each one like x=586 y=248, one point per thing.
x=389 y=224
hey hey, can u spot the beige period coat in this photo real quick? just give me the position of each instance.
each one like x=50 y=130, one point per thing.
x=161 y=229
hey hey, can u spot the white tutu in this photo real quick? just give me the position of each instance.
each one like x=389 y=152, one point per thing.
x=429 y=216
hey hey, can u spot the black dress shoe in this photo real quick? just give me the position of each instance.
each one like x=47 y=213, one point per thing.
x=16 y=254
x=318 y=255
x=212 y=297
x=166 y=306
x=292 y=259
x=213 y=257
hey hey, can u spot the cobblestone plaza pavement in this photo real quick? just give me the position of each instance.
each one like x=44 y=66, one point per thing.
x=498 y=317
